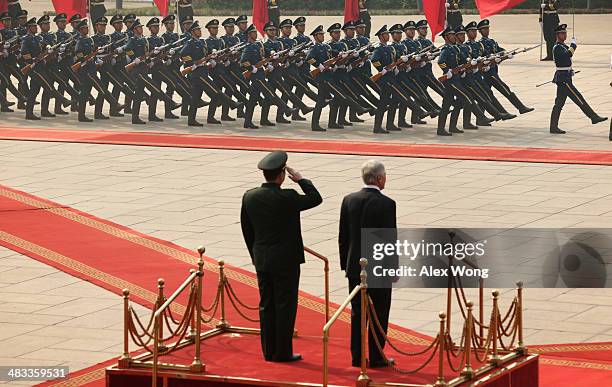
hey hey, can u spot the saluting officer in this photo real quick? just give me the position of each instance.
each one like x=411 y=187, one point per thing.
x=270 y=221
x=562 y=53
x=549 y=20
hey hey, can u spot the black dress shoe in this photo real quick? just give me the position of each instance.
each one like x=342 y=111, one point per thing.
x=345 y=123
x=267 y=123
x=6 y=109
x=598 y=119
x=250 y=126
x=382 y=363
x=442 y=132
x=335 y=126
x=380 y=131
x=393 y=129
x=483 y=123
x=526 y=110
x=100 y=117
x=418 y=122
x=289 y=112
x=356 y=119
x=318 y=129
x=137 y=121
x=557 y=131
x=171 y=116
x=116 y=114
x=202 y=103
x=455 y=130
x=85 y=119
x=404 y=124
x=307 y=110
x=469 y=126
x=281 y=120
x=47 y=114
x=297 y=117
x=155 y=119
x=213 y=121
x=60 y=112
x=32 y=117
x=507 y=116
x=195 y=123
x=227 y=118
x=294 y=357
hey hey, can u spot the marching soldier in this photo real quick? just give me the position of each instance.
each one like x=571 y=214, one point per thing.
x=74 y=23
x=241 y=23
x=233 y=68
x=157 y=69
x=274 y=12
x=8 y=65
x=364 y=17
x=21 y=19
x=129 y=20
x=425 y=73
x=562 y=53
x=170 y=36
x=549 y=21
x=184 y=9
x=118 y=38
x=303 y=68
x=453 y=13
x=65 y=60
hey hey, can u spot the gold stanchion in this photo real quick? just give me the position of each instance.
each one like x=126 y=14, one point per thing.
x=363 y=380
x=467 y=370
x=192 y=324
x=449 y=295
x=125 y=359
x=519 y=317
x=156 y=324
x=440 y=382
x=197 y=365
x=494 y=358
x=222 y=280
x=160 y=301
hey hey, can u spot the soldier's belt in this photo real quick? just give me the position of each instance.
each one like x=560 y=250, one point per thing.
x=273 y=7
x=550 y=11
x=453 y=10
x=564 y=69
x=363 y=10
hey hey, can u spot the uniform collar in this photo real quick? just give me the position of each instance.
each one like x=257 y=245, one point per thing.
x=271 y=185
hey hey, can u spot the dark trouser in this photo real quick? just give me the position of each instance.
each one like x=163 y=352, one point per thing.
x=278 y=302
x=567 y=89
x=38 y=79
x=261 y=87
x=493 y=80
x=454 y=95
x=202 y=83
x=381 y=298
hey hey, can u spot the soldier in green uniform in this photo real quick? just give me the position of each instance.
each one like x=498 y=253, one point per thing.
x=549 y=20
x=270 y=221
x=274 y=12
x=453 y=13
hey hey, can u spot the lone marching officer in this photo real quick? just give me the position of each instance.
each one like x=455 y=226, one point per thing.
x=270 y=220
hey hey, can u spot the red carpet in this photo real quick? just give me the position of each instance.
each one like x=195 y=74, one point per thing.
x=372 y=148
x=113 y=257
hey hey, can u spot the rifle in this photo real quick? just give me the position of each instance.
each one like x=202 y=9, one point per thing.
x=77 y=66
x=514 y=52
x=44 y=56
x=339 y=60
x=247 y=74
x=286 y=58
x=215 y=54
x=547 y=82
x=400 y=61
x=154 y=53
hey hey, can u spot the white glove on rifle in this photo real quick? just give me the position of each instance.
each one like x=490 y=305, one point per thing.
x=275 y=56
x=449 y=74
x=212 y=63
x=396 y=71
x=344 y=54
x=136 y=61
x=168 y=62
x=446 y=5
x=5 y=53
x=113 y=61
x=543 y=5
x=300 y=63
x=475 y=70
x=417 y=58
x=486 y=68
x=226 y=63
x=291 y=53
x=349 y=68
x=156 y=51
x=254 y=69
x=423 y=64
x=171 y=52
x=50 y=51
x=270 y=67
x=384 y=71
x=150 y=64
x=510 y=56
x=408 y=68
x=321 y=67
x=355 y=54
x=463 y=75
x=473 y=62
x=7 y=46
x=98 y=62
x=194 y=67
x=119 y=50
x=497 y=59
x=404 y=58
x=101 y=51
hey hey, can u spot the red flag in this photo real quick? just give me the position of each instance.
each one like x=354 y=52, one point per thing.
x=435 y=12
x=3 y=5
x=70 y=7
x=493 y=7
x=260 y=14
x=162 y=5
x=351 y=10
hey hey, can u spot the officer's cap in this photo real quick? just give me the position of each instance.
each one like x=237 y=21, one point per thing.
x=360 y=23
x=134 y=25
x=286 y=23
x=336 y=27
x=187 y=19
x=483 y=23
x=382 y=30
x=153 y=22
x=421 y=23
x=269 y=26
x=212 y=23
x=75 y=18
x=273 y=161
x=318 y=30
x=471 y=26
x=60 y=17
x=82 y=23
x=299 y=21
x=44 y=19
x=396 y=28
x=460 y=29
x=561 y=28
x=168 y=19
x=130 y=17
x=230 y=21
x=349 y=25
x=31 y=22
x=22 y=13
x=116 y=19
x=448 y=30
x=250 y=29
x=410 y=25
x=102 y=20
x=194 y=26
x=242 y=19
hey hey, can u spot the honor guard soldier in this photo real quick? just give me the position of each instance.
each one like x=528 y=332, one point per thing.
x=274 y=12
x=366 y=69
x=119 y=38
x=241 y=23
x=74 y=23
x=234 y=71
x=170 y=36
x=454 y=93
x=491 y=48
x=13 y=8
x=21 y=20
x=186 y=23
x=303 y=67
x=129 y=20
x=8 y=65
x=65 y=59
x=426 y=76
x=453 y=13
x=156 y=67
x=364 y=16
x=549 y=21
x=562 y=53
x=270 y=222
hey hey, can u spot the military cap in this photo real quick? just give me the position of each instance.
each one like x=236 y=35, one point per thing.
x=130 y=17
x=382 y=30
x=483 y=23
x=168 y=19
x=154 y=21
x=360 y=23
x=250 y=29
x=212 y=23
x=409 y=25
x=349 y=25
x=336 y=27
x=116 y=19
x=273 y=161
x=269 y=26
x=134 y=25
x=101 y=20
x=460 y=29
x=421 y=23
x=194 y=26
x=471 y=26
x=187 y=19
x=242 y=19
x=299 y=21
x=396 y=28
x=60 y=17
x=447 y=30
x=31 y=22
x=75 y=18
x=43 y=19
x=286 y=23
x=22 y=13
x=561 y=28
x=318 y=30
x=82 y=23
x=230 y=21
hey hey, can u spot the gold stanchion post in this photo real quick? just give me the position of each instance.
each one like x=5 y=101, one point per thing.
x=519 y=317
x=125 y=359
x=467 y=370
x=160 y=301
x=449 y=295
x=223 y=323
x=197 y=365
x=363 y=380
x=192 y=325
x=440 y=382
x=494 y=357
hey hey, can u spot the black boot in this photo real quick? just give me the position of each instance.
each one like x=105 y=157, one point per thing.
x=378 y=118
x=391 y=120
x=81 y=110
x=353 y=116
x=332 y=122
x=136 y=114
x=316 y=116
x=30 y=110
x=554 y=121
x=191 y=116
x=519 y=105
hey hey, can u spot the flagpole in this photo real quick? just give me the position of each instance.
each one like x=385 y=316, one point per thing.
x=542 y=28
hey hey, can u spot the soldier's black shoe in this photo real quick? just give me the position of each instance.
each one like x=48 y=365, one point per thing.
x=557 y=131
x=85 y=119
x=335 y=126
x=470 y=126
x=318 y=128
x=442 y=132
x=9 y=103
x=289 y=112
x=137 y=121
x=202 y=103
x=213 y=121
x=266 y=123
x=598 y=119
x=250 y=125
x=155 y=119
x=297 y=117
x=227 y=118
x=418 y=122
x=116 y=114
x=546 y=59
x=345 y=123
x=393 y=129
x=66 y=102
x=194 y=123
x=91 y=100
x=174 y=106
x=307 y=110
x=101 y=116
x=281 y=120
x=32 y=117
x=404 y=124
x=381 y=131
x=526 y=110
x=434 y=113
x=356 y=119
x=58 y=111
x=6 y=109
x=455 y=130
x=507 y=116
x=171 y=116
x=47 y=114
x=482 y=123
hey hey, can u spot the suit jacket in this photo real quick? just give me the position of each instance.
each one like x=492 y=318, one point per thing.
x=367 y=208
x=270 y=220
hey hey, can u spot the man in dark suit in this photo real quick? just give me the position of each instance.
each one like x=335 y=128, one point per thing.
x=270 y=220
x=367 y=208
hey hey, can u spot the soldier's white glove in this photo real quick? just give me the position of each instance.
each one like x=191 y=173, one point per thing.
x=321 y=67
x=150 y=64
x=62 y=49
x=49 y=51
x=99 y=62
x=473 y=62
x=423 y=64
x=254 y=69
x=113 y=61
x=7 y=46
x=275 y=56
x=226 y=63
x=355 y=54
x=136 y=61
x=417 y=58
x=384 y=71
x=291 y=53
x=396 y=71
x=449 y=74
x=171 y=52
x=574 y=42
x=404 y=58
x=101 y=51
x=497 y=59
x=543 y=5
x=300 y=63
x=408 y=68
x=5 y=53
x=463 y=75
x=269 y=67
x=194 y=67
x=212 y=63
x=156 y=51
x=344 y=54
x=446 y=5
x=510 y=56
x=486 y=68
x=120 y=50
x=475 y=70
x=349 y=68
x=167 y=62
